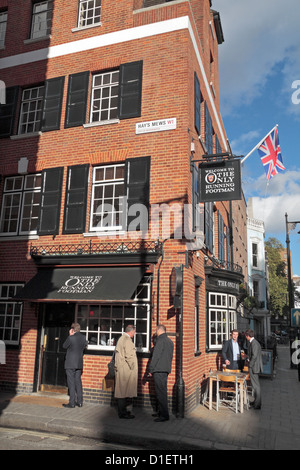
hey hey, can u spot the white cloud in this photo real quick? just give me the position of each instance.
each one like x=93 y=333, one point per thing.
x=273 y=201
x=259 y=36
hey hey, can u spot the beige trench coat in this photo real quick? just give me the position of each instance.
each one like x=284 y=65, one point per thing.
x=126 y=368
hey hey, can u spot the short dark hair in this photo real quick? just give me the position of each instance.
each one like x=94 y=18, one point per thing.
x=130 y=328
x=249 y=333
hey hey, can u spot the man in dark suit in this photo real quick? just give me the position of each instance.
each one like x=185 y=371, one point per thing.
x=75 y=345
x=255 y=367
x=231 y=352
x=160 y=367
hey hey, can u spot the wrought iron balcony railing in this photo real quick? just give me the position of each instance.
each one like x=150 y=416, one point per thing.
x=224 y=265
x=93 y=249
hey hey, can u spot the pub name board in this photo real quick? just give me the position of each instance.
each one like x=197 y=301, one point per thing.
x=220 y=181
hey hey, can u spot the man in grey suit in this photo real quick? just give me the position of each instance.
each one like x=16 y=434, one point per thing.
x=75 y=345
x=255 y=367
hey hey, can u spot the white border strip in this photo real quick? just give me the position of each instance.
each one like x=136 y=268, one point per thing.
x=116 y=37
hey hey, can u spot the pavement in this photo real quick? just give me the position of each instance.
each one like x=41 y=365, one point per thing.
x=275 y=427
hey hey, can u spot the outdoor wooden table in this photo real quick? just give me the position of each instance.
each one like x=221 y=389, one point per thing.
x=241 y=376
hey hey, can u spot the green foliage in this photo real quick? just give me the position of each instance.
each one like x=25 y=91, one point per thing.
x=278 y=282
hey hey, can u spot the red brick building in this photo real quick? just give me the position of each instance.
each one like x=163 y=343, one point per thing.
x=109 y=108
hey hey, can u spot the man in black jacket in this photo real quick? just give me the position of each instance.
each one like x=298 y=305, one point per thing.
x=160 y=367
x=75 y=344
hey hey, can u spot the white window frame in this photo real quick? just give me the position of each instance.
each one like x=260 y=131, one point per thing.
x=31 y=110
x=100 y=210
x=94 y=19
x=14 y=317
x=105 y=97
x=41 y=23
x=3 y=25
x=21 y=191
x=222 y=307
x=111 y=335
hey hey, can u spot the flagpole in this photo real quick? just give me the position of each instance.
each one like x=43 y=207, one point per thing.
x=248 y=155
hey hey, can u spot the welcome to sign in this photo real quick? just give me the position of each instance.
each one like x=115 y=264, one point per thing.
x=220 y=181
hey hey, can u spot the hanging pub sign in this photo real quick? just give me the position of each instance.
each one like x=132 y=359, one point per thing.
x=220 y=181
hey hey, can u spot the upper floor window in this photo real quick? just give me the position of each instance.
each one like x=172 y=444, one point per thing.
x=3 y=23
x=208 y=131
x=89 y=13
x=20 y=207
x=41 y=19
x=107 y=197
x=209 y=226
x=105 y=97
x=31 y=110
x=255 y=255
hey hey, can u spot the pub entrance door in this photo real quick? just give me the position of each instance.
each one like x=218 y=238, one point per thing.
x=58 y=318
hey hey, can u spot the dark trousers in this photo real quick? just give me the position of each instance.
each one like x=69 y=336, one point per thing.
x=122 y=404
x=256 y=388
x=74 y=385
x=160 y=382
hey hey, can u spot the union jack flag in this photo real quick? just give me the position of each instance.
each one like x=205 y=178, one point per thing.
x=270 y=154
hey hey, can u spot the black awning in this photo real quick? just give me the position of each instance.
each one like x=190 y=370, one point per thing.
x=83 y=284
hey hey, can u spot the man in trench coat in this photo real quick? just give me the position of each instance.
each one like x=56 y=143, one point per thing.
x=126 y=369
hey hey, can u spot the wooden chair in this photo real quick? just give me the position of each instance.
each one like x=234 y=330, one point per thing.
x=227 y=391
x=247 y=386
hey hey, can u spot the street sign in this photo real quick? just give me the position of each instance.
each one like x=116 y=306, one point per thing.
x=295 y=317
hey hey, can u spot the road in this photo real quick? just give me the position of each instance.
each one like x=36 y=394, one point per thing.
x=20 y=439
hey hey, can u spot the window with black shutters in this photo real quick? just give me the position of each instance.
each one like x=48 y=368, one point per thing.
x=76 y=199
x=137 y=180
x=50 y=201
x=197 y=103
x=130 y=90
x=77 y=99
x=221 y=238
x=208 y=131
x=209 y=226
x=52 y=104
x=7 y=111
x=120 y=196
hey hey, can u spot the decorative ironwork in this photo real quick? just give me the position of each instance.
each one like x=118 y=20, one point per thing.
x=92 y=249
x=224 y=265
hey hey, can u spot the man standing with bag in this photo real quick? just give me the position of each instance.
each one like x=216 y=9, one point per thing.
x=160 y=367
x=75 y=345
x=255 y=367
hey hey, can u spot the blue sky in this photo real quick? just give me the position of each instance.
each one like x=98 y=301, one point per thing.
x=259 y=64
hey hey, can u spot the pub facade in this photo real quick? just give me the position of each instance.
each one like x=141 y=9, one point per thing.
x=111 y=109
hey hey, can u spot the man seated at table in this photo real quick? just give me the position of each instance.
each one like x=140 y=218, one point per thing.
x=231 y=352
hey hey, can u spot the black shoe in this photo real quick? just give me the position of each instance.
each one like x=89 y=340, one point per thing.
x=79 y=405
x=155 y=415
x=67 y=405
x=128 y=416
x=160 y=420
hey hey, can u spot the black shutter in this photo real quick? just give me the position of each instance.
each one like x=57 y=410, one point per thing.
x=76 y=199
x=50 y=201
x=197 y=104
x=77 y=99
x=137 y=178
x=7 y=111
x=54 y=89
x=130 y=90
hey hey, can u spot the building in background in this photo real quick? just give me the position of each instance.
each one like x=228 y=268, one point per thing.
x=258 y=275
x=110 y=107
